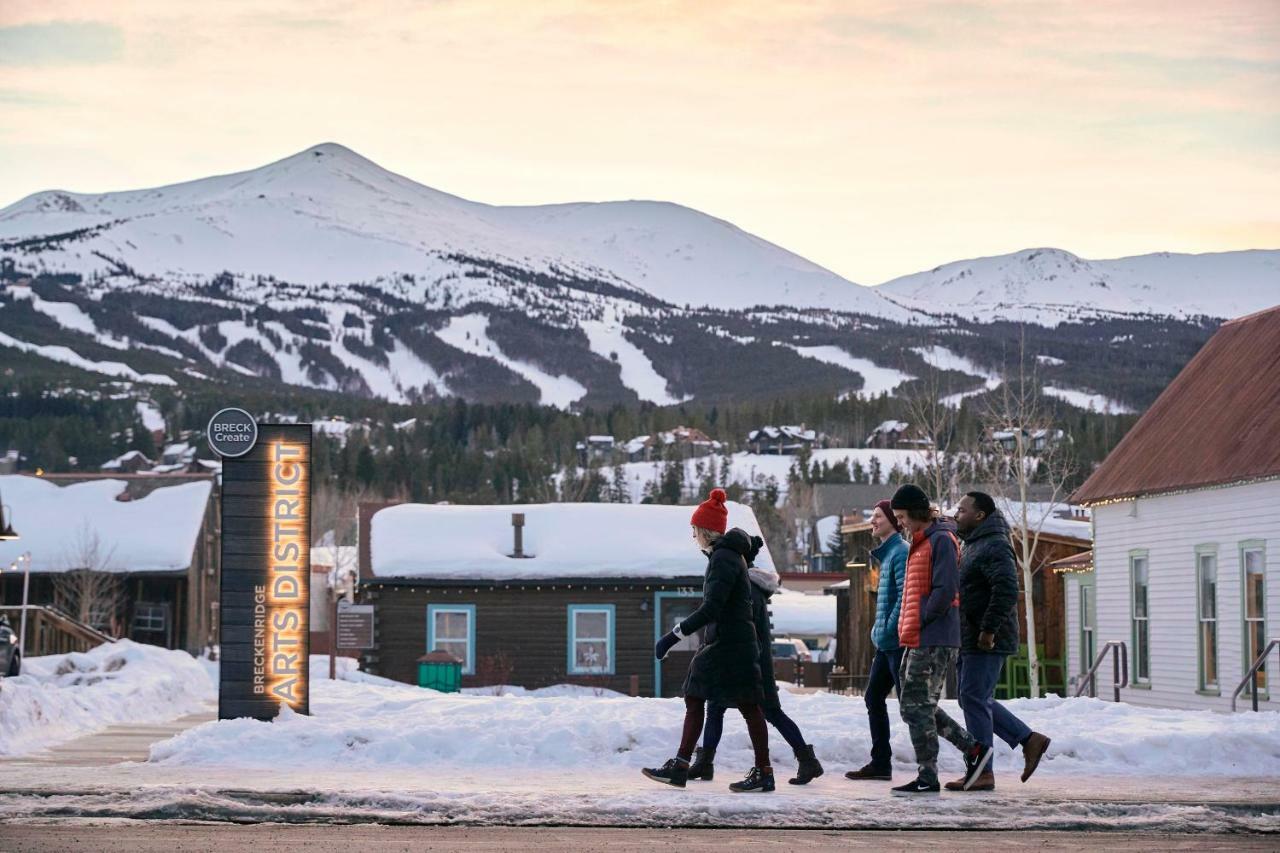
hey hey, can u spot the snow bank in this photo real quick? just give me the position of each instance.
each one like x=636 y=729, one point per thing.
x=59 y=697
x=562 y=540
x=366 y=726
x=156 y=533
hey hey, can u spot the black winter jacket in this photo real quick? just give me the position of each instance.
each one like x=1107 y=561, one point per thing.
x=726 y=669
x=989 y=587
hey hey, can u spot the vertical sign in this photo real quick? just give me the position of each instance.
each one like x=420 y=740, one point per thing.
x=266 y=575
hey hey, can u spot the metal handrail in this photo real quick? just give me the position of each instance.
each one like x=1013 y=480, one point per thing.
x=1252 y=675
x=1120 y=671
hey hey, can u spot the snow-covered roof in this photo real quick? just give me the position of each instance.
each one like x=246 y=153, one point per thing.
x=890 y=426
x=1048 y=518
x=566 y=540
x=798 y=613
x=155 y=533
x=120 y=460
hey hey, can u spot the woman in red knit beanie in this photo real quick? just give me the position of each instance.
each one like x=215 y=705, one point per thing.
x=726 y=668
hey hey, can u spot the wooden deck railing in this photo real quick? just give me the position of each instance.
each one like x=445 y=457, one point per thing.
x=52 y=632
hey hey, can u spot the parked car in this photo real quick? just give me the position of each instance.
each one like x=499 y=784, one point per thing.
x=789 y=648
x=10 y=656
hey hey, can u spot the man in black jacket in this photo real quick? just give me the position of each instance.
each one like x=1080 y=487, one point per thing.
x=989 y=633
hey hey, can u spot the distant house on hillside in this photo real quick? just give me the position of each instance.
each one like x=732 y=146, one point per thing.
x=595 y=447
x=1033 y=441
x=534 y=595
x=781 y=439
x=154 y=536
x=890 y=435
x=128 y=463
x=1186 y=515
x=683 y=442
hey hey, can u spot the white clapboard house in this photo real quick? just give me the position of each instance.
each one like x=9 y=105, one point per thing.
x=1186 y=514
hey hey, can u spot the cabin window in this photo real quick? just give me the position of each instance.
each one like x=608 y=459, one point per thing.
x=452 y=628
x=1139 y=609
x=591 y=636
x=149 y=617
x=1207 y=617
x=1253 y=565
x=1088 y=639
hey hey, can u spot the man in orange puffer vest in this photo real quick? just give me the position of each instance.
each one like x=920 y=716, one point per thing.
x=929 y=630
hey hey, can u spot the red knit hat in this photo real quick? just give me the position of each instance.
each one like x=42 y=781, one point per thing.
x=886 y=506
x=712 y=514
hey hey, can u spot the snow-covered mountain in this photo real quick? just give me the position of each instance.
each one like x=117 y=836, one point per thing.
x=1049 y=286
x=325 y=270
x=327 y=214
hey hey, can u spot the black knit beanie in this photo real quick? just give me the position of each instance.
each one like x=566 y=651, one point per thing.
x=909 y=497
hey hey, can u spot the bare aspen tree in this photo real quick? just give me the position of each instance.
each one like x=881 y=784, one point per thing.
x=87 y=590
x=1026 y=450
x=934 y=421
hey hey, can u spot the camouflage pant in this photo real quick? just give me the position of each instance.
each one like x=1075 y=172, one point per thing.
x=924 y=674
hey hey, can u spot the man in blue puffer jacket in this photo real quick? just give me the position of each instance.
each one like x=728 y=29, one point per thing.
x=891 y=555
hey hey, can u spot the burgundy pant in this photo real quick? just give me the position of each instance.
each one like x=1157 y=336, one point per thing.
x=694 y=714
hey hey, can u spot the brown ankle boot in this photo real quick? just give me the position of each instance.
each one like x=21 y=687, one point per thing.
x=1032 y=751
x=985 y=782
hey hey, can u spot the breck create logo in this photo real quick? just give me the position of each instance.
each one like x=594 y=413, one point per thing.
x=284 y=615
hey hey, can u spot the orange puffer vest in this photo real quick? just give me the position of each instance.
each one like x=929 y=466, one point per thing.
x=919 y=584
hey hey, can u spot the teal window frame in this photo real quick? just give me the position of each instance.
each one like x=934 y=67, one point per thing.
x=611 y=611
x=468 y=665
x=1138 y=680
x=1204 y=686
x=1259 y=545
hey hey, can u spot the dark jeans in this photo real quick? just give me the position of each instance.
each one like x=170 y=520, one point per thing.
x=983 y=715
x=884 y=677
x=773 y=714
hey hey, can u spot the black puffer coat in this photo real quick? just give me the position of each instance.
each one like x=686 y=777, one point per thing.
x=726 y=669
x=988 y=587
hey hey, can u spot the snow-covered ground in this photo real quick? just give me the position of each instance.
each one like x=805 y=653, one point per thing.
x=753 y=470
x=374 y=749
x=877 y=379
x=387 y=725
x=59 y=697
x=1087 y=400
x=470 y=333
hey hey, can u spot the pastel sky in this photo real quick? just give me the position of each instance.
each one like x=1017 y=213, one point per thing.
x=875 y=138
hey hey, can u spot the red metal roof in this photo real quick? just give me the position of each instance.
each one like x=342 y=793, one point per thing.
x=1218 y=421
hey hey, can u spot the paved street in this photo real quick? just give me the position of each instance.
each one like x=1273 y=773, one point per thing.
x=167 y=838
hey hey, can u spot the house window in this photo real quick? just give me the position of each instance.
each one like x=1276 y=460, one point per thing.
x=149 y=617
x=1207 y=618
x=591 y=636
x=1139 y=608
x=1253 y=564
x=452 y=628
x=1088 y=640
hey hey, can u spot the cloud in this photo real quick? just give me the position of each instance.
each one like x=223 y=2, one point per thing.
x=60 y=43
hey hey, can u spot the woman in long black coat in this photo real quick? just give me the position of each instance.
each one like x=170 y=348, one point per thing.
x=726 y=670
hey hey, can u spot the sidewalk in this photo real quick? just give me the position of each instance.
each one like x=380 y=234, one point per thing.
x=68 y=782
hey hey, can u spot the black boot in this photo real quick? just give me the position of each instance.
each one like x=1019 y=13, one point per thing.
x=758 y=781
x=674 y=772
x=810 y=768
x=703 y=766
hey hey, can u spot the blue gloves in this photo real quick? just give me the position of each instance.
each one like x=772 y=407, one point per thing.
x=665 y=645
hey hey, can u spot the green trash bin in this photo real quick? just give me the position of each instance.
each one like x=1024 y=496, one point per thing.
x=441 y=671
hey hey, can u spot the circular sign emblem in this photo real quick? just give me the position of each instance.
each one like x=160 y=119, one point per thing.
x=232 y=432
